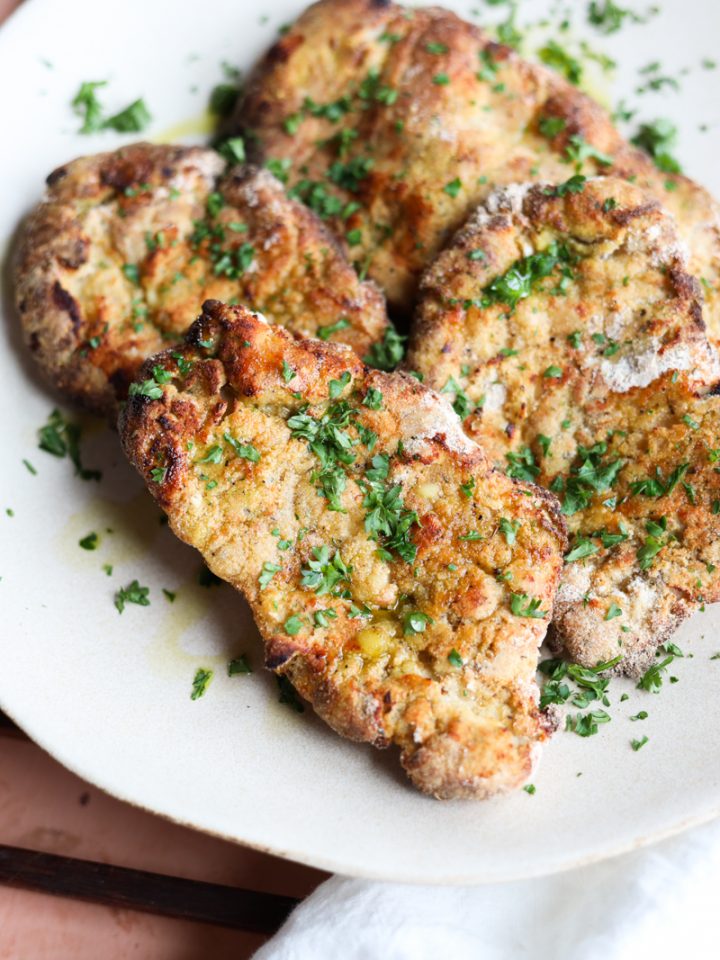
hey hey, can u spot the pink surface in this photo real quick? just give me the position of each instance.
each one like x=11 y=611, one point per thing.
x=44 y=807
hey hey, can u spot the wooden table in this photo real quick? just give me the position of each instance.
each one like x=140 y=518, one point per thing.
x=97 y=861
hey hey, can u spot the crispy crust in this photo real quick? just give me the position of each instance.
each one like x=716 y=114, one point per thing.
x=625 y=312
x=90 y=325
x=660 y=427
x=464 y=731
x=590 y=362
x=482 y=128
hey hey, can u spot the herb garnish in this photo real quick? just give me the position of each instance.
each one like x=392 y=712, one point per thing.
x=86 y=104
x=61 y=438
x=657 y=139
x=200 y=682
x=415 y=622
x=239 y=665
x=519 y=281
x=133 y=593
x=388 y=353
x=521 y=605
x=324 y=573
x=387 y=520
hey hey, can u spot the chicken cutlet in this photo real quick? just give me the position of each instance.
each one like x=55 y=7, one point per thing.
x=115 y=260
x=393 y=124
x=564 y=326
x=643 y=501
x=399 y=582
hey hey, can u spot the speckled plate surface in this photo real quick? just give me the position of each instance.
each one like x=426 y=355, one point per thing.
x=109 y=694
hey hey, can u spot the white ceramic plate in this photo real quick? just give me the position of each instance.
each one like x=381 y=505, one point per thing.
x=108 y=695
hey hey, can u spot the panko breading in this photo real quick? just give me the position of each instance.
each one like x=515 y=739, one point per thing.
x=558 y=320
x=652 y=542
x=395 y=124
x=116 y=259
x=399 y=582
x=550 y=298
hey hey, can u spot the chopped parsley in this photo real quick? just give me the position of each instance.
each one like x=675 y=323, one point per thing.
x=462 y=405
x=388 y=353
x=519 y=281
x=613 y=611
x=576 y=184
x=583 y=548
x=453 y=188
x=578 y=150
x=658 y=138
x=86 y=104
x=608 y=17
x=133 y=593
x=638 y=744
x=293 y=625
x=373 y=399
x=521 y=465
x=654 y=542
x=455 y=659
x=555 y=56
x=246 y=451
x=509 y=529
x=521 y=605
x=652 y=679
x=586 y=725
x=658 y=486
x=551 y=126
x=329 y=441
x=387 y=520
x=268 y=572
x=200 y=682
x=336 y=387
x=239 y=665
x=325 y=573
x=591 y=475
x=90 y=542
x=232 y=150
x=61 y=438
x=415 y=622
x=324 y=333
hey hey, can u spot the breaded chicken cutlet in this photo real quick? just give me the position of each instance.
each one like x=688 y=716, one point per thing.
x=394 y=123
x=563 y=324
x=400 y=583
x=116 y=260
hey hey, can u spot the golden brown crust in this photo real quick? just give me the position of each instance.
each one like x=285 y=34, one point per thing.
x=421 y=647
x=666 y=432
x=617 y=310
x=577 y=378
x=115 y=261
x=480 y=129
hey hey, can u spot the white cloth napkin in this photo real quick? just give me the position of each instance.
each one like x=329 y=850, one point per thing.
x=659 y=902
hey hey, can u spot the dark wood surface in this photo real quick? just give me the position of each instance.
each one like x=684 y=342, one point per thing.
x=6 y=725
x=140 y=890
x=156 y=893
